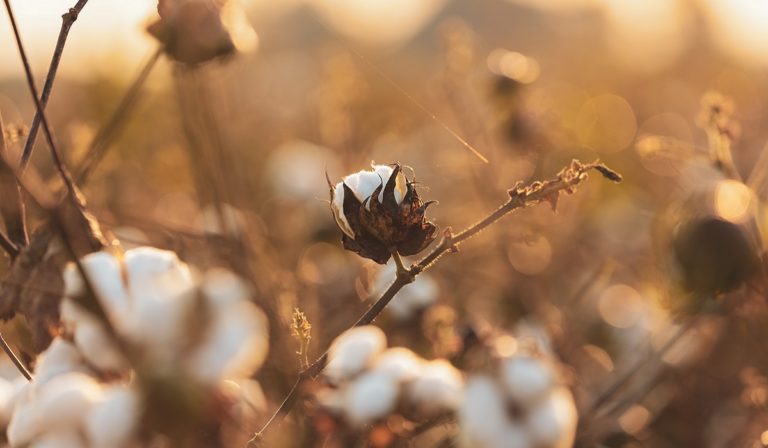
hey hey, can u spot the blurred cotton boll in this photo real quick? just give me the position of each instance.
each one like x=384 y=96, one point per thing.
x=436 y=389
x=524 y=406
x=369 y=384
x=417 y=296
x=371 y=397
x=353 y=351
x=377 y=22
x=150 y=297
x=307 y=164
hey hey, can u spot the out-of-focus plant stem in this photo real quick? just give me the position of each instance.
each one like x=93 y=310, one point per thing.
x=520 y=196
x=15 y=359
x=109 y=130
x=67 y=20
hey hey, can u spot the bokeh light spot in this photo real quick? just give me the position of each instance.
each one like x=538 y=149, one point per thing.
x=606 y=124
x=733 y=200
x=620 y=306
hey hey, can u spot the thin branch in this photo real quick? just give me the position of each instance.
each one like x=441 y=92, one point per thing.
x=15 y=359
x=67 y=19
x=519 y=197
x=35 y=97
x=109 y=130
x=8 y=246
x=12 y=205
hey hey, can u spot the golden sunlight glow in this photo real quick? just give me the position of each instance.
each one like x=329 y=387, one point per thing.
x=740 y=28
x=646 y=35
x=377 y=22
x=733 y=200
x=111 y=30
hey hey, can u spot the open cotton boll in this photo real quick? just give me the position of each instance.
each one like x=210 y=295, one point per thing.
x=59 y=439
x=57 y=405
x=96 y=347
x=60 y=357
x=483 y=420
x=113 y=419
x=363 y=184
x=400 y=363
x=63 y=401
x=437 y=388
x=370 y=397
x=160 y=286
x=526 y=379
x=236 y=343
x=7 y=392
x=352 y=351
x=552 y=422
x=105 y=276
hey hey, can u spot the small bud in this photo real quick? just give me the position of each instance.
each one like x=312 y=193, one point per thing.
x=379 y=212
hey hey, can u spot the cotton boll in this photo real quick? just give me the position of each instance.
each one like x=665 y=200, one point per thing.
x=370 y=397
x=363 y=184
x=7 y=393
x=482 y=417
x=97 y=348
x=236 y=344
x=59 y=439
x=105 y=276
x=526 y=379
x=437 y=388
x=112 y=420
x=552 y=422
x=60 y=357
x=25 y=423
x=64 y=400
x=400 y=363
x=352 y=351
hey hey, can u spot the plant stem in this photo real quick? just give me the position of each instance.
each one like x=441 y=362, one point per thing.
x=519 y=197
x=67 y=19
x=107 y=132
x=55 y=155
x=15 y=359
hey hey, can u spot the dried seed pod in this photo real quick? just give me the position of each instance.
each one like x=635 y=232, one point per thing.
x=192 y=31
x=380 y=212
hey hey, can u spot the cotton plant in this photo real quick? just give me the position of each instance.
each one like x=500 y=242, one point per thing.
x=522 y=403
x=174 y=339
x=366 y=382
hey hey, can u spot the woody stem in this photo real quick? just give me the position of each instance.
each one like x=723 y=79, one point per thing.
x=401 y=269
